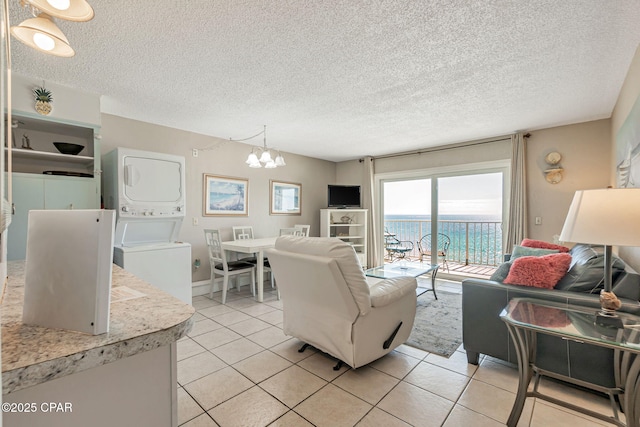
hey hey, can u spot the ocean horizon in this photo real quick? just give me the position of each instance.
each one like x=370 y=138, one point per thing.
x=456 y=217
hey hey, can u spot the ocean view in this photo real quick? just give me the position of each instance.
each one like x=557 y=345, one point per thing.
x=474 y=238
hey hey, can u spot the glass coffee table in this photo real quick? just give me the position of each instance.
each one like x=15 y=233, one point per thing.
x=391 y=271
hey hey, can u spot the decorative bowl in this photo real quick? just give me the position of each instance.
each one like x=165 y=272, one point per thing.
x=68 y=148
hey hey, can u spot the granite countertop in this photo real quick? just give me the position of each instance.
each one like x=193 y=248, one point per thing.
x=32 y=355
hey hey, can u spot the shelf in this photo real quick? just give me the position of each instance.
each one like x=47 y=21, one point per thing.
x=353 y=231
x=21 y=153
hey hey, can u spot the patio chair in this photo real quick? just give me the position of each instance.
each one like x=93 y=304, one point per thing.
x=424 y=247
x=396 y=249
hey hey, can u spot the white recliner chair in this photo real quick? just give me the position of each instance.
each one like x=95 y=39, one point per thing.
x=328 y=304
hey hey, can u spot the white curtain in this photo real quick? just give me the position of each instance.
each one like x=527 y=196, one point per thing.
x=369 y=202
x=517 y=223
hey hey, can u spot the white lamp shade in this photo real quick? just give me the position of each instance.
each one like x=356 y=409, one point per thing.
x=280 y=160
x=42 y=34
x=255 y=164
x=69 y=10
x=265 y=157
x=604 y=217
x=252 y=158
x=270 y=164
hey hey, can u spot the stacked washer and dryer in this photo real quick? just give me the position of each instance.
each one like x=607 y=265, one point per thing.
x=147 y=191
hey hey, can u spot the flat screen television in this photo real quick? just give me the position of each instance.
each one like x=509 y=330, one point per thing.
x=344 y=196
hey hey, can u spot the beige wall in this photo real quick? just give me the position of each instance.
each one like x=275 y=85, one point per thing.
x=628 y=95
x=224 y=158
x=351 y=172
x=586 y=157
x=585 y=149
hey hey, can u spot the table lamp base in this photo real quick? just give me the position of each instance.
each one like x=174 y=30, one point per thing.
x=608 y=319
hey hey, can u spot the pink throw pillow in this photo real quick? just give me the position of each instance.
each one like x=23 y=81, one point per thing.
x=538 y=271
x=530 y=243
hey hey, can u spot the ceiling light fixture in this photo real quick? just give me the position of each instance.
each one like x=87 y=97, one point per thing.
x=41 y=33
x=262 y=155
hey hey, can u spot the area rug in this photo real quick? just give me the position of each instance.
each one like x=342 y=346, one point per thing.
x=438 y=324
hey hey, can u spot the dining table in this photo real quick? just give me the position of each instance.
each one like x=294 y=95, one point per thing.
x=257 y=247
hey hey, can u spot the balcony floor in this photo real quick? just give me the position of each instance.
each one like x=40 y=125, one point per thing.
x=458 y=270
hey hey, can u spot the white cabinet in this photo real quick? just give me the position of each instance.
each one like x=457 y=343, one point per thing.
x=31 y=191
x=349 y=225
x=44 y=178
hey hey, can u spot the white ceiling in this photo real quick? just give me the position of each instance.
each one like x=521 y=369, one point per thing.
x=341 y=79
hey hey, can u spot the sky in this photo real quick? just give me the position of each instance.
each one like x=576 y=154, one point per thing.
x=479 y=194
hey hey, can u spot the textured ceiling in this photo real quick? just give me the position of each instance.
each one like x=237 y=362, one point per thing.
x=341 y=79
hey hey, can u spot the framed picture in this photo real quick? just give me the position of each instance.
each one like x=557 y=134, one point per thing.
x=224 y=195
x=628 y=150
x=286 y=198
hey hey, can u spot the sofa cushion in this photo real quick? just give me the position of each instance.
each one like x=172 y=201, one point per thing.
x=627 y=286
x=501 y=272
x=520 y=251
x=345 y=256
x=538 y=271
x=586 y=273
x=531 y=243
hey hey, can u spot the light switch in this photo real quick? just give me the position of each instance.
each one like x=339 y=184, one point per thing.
x=538 y=220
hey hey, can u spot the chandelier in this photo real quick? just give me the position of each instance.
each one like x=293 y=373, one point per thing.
x=41 y=33
x=260 y=156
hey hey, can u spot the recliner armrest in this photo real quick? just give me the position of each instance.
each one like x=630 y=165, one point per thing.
x=390 y=290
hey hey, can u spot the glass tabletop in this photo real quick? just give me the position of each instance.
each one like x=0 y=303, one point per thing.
x=390 y=271
x=572 y=321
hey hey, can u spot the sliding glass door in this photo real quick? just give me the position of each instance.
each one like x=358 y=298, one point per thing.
x=470 y=211
x=458 y=212
x=407 y=216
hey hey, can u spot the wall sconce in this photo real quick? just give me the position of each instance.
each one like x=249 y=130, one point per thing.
x=553 y=175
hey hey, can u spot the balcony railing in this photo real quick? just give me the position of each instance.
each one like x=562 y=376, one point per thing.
x=472 y=242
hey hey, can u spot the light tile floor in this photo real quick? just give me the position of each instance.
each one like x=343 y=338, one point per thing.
x=237 y=368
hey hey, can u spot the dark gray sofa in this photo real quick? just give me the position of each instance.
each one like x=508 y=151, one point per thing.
x=484 y=333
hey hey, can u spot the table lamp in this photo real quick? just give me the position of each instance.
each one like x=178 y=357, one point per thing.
x=608 y=217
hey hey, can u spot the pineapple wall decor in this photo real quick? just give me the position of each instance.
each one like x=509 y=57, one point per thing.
x=43 y=100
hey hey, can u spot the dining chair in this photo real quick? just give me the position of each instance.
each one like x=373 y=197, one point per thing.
x=290 y=232
x=221 y=267
x=304 y=228
x=241 y=232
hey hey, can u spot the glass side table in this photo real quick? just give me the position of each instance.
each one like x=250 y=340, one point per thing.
x=390 y=271
x=527 y=317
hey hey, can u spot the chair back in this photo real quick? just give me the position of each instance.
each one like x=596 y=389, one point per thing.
x=304 y=229
x=216 y=253
x=347 y=263
x=424 y=244
x=290 y=232
x=242 y=232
